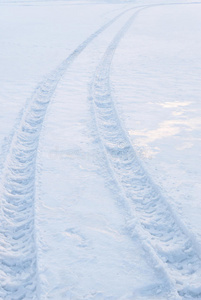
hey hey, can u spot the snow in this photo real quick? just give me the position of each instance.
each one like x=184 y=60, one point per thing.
x=159 y=97
x=100 y=138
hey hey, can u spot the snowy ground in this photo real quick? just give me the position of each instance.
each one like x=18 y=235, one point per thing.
x=100 y=138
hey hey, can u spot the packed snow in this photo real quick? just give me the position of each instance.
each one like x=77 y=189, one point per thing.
x=100 y=142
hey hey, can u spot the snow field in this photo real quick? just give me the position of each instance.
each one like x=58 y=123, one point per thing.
x=81 y=217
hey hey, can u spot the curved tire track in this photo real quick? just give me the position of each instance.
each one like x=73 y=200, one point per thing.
x=18 y=253
x=165 y=238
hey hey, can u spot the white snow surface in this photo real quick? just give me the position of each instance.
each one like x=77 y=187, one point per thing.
x=100 y=150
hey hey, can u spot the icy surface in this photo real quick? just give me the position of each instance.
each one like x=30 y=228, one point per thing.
x=100 y=150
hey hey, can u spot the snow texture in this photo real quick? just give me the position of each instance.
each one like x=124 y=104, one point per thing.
x=100 y=138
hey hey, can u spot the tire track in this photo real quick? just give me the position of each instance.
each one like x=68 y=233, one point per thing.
x=18 y=252
x=165 y=238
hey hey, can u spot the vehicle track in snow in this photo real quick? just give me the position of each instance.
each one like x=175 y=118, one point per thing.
x=18 y=250
x=162 y=234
